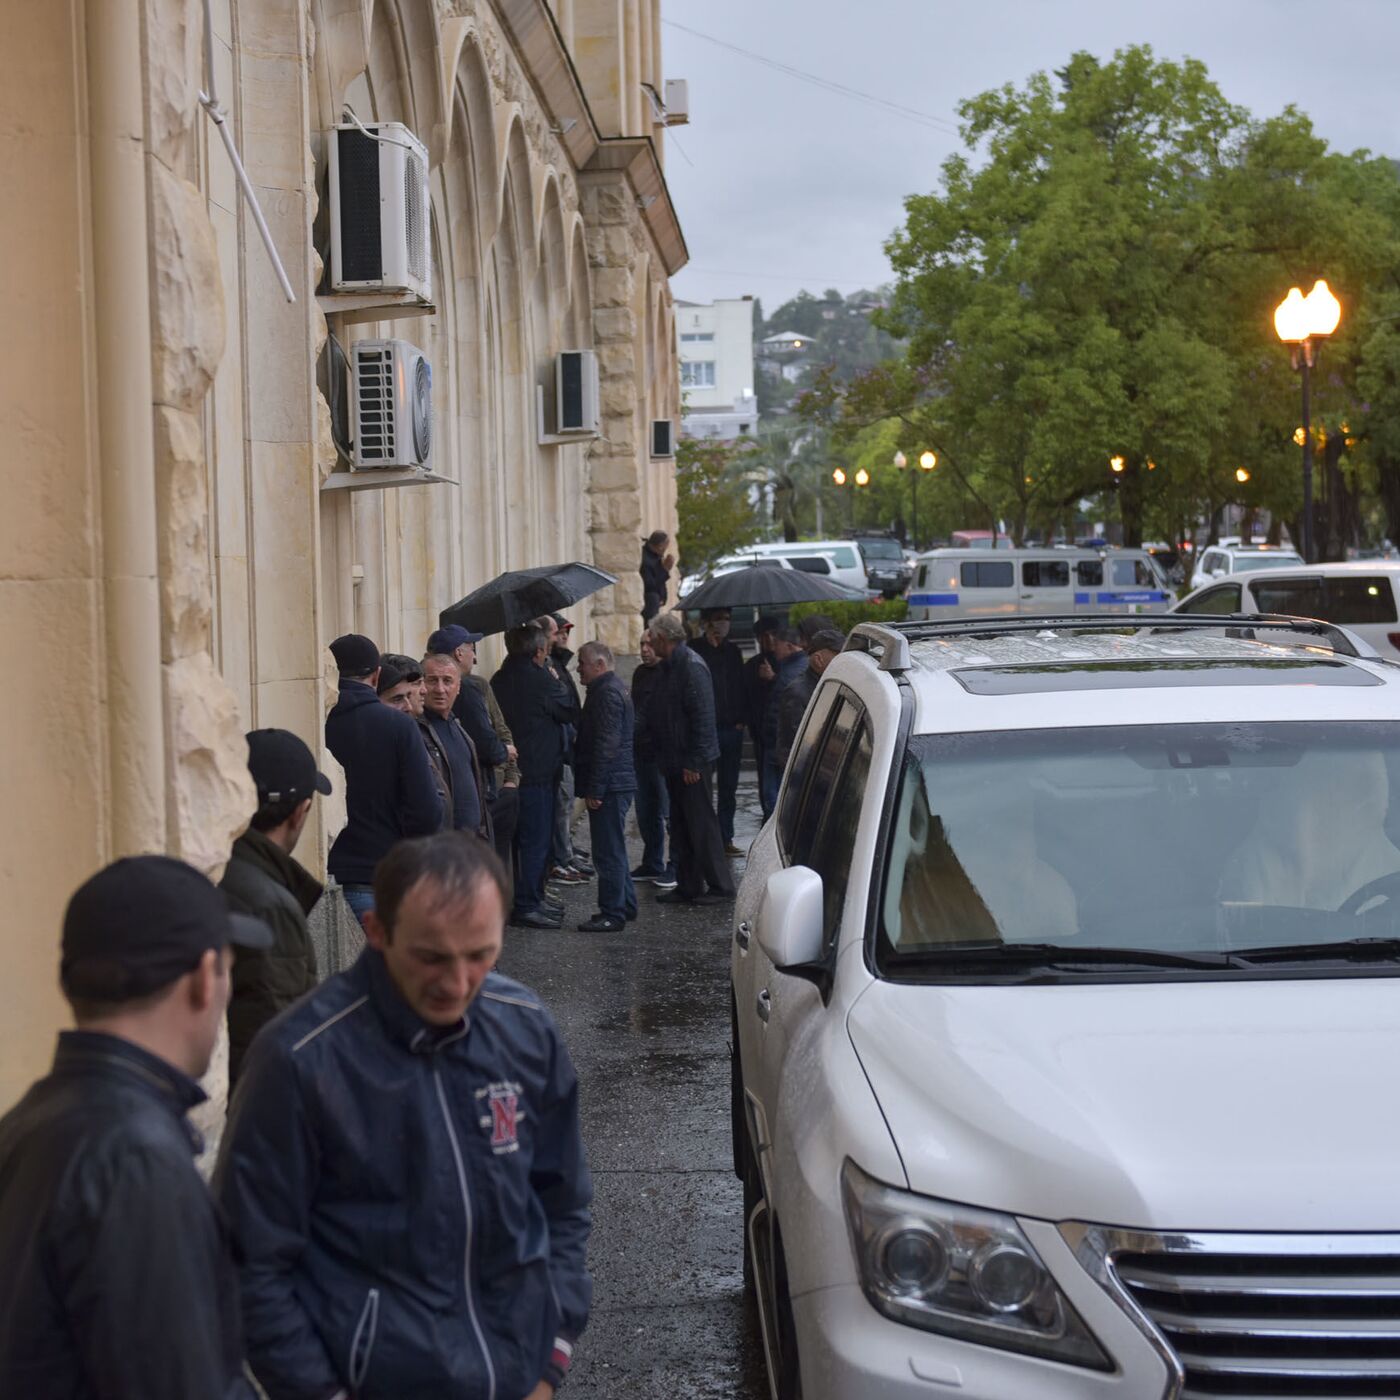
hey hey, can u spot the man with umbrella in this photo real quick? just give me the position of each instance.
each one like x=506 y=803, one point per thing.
x=682 y=725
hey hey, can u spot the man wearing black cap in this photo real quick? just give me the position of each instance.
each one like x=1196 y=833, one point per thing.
x=759 y=671
x=389 y=789
x=117 y=1281
x=823 y=647
x=263 y=880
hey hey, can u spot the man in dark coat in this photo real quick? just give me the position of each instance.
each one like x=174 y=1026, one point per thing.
x=791 y=663
x=538 y=710
x=118 y=1280
x=389 y=789
x=759 y=671
x=823 y=647
x=653 y=805
x=726 y=665
x=403 y=1168
x=656 y=573
x=442 y=681
x=263 y=880
x=606 y=781
x=400 y=685
x=567 y=866
x=681 y=722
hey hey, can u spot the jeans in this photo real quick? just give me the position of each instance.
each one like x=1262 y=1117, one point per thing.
x=561 y=846
x=653 y=809
x=617 y=898
x=534 y=829
x=360 y=898
x=770 y=779
x=731 y=751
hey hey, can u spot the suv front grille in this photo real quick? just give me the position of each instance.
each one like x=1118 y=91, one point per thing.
x=1270 y=1315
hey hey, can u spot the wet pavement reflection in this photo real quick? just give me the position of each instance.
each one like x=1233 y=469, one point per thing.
x=646 y=1017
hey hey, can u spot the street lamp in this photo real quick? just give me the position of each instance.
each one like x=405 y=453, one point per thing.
x=1241 y=475
x=839 y=476
x=927 y=462
x=862 y=477
x=1302 y=322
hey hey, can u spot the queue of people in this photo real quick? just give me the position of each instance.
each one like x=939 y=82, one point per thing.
x=393 y=1120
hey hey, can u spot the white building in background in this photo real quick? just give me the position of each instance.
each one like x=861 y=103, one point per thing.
x=783 y=354
x=715 y=341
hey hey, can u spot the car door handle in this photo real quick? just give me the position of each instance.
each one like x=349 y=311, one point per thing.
x=765 y=1005
x=743 y=933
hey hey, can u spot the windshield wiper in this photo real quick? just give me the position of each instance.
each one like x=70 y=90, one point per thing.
x=1347 y=950
x=1053 y=954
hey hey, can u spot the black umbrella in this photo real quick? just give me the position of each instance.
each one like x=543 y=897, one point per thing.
x=763 y=587
x=523 y=595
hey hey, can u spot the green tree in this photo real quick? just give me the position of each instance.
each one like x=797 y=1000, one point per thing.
x=713 y=502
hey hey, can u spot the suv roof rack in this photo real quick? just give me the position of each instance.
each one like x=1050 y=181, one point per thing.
x=891 y=640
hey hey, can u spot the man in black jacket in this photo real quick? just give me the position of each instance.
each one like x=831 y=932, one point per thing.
x=823 y=647
x=791 y=662
x=442 y=681
x=117 y=1279
x=726 y=665
x=759 y=671
x=538 y=709
x=389 y=789
x=653 y=805
x=262 y=879
x=656 y=573
x=606 y=781
x=681 y=723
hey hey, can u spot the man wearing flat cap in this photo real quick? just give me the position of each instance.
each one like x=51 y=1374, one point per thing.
x=389 y=788
x=117 y=1279
x=262 y=879
x=823 y=647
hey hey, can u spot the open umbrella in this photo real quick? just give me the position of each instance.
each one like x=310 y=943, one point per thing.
x=521 y=595
x=757 y=586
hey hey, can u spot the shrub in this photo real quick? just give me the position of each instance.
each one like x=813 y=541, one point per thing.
x=846 y=615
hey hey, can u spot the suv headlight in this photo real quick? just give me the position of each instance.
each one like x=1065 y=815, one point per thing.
x=965 y=1272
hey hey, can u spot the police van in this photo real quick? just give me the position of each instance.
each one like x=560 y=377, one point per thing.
x=954 y=583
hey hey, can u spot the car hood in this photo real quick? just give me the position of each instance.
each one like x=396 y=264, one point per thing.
x=1245 y=1105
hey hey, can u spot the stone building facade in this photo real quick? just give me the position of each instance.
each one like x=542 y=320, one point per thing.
x=175 y=546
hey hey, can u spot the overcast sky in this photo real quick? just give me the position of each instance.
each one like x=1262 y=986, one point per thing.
x=781 y=185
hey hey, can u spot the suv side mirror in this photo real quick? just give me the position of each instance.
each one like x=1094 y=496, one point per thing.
x=790 y=919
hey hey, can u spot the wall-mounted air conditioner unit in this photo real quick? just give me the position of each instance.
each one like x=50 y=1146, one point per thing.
x=676 y=100
x=391 y=399
x=379 y=210
x=663 y=438
x=576 y=407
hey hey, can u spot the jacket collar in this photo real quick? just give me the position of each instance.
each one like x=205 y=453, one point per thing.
x=399 y=1019
x=354 y=693
x=277 y=864
x=111 y=1057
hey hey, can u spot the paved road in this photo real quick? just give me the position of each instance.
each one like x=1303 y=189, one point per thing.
x=646 y=1017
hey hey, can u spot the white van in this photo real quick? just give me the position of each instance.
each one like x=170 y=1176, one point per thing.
x=971 y=582
x=846 y=565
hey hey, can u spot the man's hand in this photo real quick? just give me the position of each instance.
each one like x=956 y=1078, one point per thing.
x=669 y=560
x=592 y=803
x=511 y=786
x=689 y=777
x=543 y=1391
x=765 y=671
x=512 y=753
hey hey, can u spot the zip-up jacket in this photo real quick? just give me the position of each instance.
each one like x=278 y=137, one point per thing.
x=411 y=1203
x=788 y=672
x=681 y=717
x=537 y=708
x=603 y=758
x=389 y=790
x=726 y=664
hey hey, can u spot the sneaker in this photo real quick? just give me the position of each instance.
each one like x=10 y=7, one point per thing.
x=583 y=867
x=567 y=875
x=641 y=873
x=601 y=923
x=730 y=849
x=664 y=882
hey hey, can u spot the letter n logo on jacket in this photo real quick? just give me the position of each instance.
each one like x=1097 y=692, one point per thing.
x=503 y=1117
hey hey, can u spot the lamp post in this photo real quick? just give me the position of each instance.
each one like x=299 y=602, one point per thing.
x=1302 y=323
x=927 y=462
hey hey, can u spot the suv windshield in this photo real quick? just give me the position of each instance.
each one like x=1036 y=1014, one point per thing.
x=881 y=549
x=1091 y=851
x=1252 y=563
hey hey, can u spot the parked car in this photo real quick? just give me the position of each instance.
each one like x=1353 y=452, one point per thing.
x=1221 y=561
x=886 y=570
x=1362 y=595
x=742 y=620
x=846 y=565
x=1064 y=988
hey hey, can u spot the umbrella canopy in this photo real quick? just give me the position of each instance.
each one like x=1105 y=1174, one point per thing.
x=761 y=587
x=523 y=595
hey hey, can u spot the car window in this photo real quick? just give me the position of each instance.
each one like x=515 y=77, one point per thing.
x=1225 y=599
x=804 y=750
x=845 y=558
x=988 y=575
x=1212 y=561
x=809 y=563
x=836 y=838
x=1251 y=563
x=825 y=766
x=1089 y=573
x=1131 y=573
x=1045 y=573
x=1358 y=600
x=1301 y=596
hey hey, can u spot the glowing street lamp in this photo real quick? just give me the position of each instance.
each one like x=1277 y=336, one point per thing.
x=928 y=460
x=1117 y=466
x=900 y=460
x=862 y=477
x=1302 y=322
x=839 y=476
x=1241 y=475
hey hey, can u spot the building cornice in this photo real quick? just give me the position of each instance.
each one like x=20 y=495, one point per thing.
x=547 y=60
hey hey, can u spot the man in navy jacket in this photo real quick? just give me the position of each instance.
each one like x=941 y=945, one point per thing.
x=389 y=788
x=605 y=779
x=403 y=1169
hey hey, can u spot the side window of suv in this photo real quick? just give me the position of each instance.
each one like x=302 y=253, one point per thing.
x=826 y=764
x=835 y=840
x=804 y=750
x=1225 y=599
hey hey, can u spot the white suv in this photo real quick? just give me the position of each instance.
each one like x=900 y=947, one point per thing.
x=1065 y=1017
